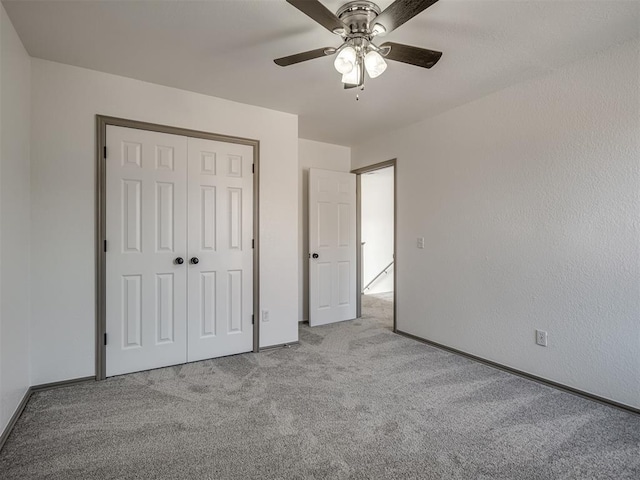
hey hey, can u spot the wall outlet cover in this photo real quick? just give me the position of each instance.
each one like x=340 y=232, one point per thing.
x=541 y=338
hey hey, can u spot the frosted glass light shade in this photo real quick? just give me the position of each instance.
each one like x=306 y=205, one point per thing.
x=375 y=64
x=353 y=77
x=345 y=60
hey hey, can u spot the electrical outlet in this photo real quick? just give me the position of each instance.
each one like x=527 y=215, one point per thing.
x=541 y=338
x=420 y=242
x=265 y=315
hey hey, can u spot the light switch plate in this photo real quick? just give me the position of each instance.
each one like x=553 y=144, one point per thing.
x=541 y=338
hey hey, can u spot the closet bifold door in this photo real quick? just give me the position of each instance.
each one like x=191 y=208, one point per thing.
x=146 y=258
x=220 y=263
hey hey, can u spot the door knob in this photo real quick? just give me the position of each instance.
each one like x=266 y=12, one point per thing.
x=194 y=260
x=315 y=255
x=178 y=261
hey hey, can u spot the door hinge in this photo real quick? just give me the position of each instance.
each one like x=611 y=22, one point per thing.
x=105 y=246
x=253 y=168
x=252 y=319
x=104 y=151
x=253 y=243
x=105 y=338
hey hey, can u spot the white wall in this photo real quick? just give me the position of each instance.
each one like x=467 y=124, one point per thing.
x=15 y=74
x=313 y=154
x=528 y=201
x=65 y=101
x=377 y=228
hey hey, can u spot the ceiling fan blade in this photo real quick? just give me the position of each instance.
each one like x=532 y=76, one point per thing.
x=420 y=57
x=401 y=11
x=318 y=12
x=304 y=56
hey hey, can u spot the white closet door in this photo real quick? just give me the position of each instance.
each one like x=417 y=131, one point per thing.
x=220 y=238
x=332 y=246
x=146 y=231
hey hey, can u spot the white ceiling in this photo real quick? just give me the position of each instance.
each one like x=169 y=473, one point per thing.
x=226 y=48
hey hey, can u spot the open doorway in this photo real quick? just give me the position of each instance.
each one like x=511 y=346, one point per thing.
x=376 y=240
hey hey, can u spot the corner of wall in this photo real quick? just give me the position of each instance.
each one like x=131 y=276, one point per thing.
x=15 y=212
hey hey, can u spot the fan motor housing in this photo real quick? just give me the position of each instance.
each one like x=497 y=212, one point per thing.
x=358 y=16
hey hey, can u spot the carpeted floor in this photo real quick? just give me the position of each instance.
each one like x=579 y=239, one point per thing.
x=353 y=400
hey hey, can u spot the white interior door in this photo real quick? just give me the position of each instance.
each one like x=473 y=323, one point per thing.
x=220 y=241
x=179 y=259
x=146 y=231
x=332 y=246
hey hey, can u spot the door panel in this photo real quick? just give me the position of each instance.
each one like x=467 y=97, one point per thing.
x=332 y=236
x=164 y=311
x=220 y=237
x=164 y=217
x=146 y=230
x=132 y=310
x=208 y=297
x=208 y=210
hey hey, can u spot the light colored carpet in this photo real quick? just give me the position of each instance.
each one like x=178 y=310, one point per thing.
x=353 y=400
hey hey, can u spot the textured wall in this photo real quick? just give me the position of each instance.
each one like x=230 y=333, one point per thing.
x=15 y=74
x=313 y=154
x=528 y=201
x=65 y=101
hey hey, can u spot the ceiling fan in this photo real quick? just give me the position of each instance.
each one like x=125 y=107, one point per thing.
x=359 y=23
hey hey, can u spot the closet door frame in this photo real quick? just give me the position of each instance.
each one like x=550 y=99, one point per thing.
x=101 y=135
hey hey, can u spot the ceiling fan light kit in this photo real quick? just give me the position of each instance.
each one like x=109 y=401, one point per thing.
x=359 y=23
x=359 y=53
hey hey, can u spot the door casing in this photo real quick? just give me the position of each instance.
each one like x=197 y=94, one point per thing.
x=359 y=172
x=101 y=135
